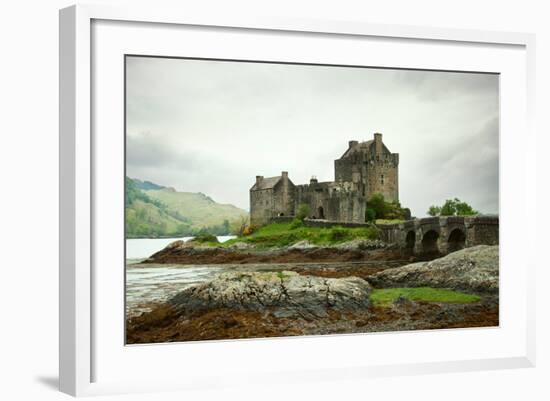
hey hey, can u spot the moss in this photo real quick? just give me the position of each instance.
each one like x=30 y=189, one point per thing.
x=387 y=296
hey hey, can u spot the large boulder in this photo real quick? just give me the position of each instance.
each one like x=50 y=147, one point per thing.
x=285 y=294
x=474 y=269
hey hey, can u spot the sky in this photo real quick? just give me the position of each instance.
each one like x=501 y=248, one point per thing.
x=212 y=126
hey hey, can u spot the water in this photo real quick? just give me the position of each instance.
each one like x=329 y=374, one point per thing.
x=146 y=285
x=142 y=248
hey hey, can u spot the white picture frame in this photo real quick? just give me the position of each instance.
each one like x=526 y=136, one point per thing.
x=79 y=344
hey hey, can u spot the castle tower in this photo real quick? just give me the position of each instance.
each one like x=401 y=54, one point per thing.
x=371 y=166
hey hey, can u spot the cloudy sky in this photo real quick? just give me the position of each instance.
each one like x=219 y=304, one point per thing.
x=212 y=126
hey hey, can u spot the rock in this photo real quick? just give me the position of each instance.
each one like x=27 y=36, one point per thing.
x=175 y=245
x=474 y=269
x=404 y=304
x=361 y=244
x=305 y=244
x=241 y=246
x=285 y=294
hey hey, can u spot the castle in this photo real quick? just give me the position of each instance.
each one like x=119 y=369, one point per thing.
x=365 y=168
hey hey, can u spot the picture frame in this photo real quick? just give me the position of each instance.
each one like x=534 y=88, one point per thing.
x=82 y=324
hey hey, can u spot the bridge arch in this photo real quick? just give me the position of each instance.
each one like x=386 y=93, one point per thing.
x=410 y=239
x=429 y=242
x=456 y=240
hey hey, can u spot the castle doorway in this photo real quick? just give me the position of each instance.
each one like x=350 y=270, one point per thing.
x=321 y=212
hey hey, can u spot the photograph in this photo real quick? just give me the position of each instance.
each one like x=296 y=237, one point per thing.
x=275 y=199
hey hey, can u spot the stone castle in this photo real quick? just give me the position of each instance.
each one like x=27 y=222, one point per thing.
x=365 y=168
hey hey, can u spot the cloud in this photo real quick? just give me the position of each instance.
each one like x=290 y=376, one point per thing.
x=147 y=150
x=212 y=126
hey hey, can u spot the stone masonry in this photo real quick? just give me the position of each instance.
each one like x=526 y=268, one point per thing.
x=442 y=235
x=365 y=168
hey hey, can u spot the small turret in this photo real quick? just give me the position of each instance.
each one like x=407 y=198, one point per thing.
x=378 y=143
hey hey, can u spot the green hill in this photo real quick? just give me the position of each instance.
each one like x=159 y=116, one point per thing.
x=146 y=185
x=166 y=213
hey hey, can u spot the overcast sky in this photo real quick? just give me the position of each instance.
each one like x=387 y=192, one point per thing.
x=211 y=127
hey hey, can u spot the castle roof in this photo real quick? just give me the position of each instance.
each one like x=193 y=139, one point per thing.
x=366 y=146
x=266 y=183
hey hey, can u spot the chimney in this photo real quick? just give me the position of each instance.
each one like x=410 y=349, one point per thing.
x=378 y=142
x=284 y=174
x=259 y=179
x=352 y=143
x=313 y=180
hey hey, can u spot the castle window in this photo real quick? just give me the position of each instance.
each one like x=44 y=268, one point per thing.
x=382 y=179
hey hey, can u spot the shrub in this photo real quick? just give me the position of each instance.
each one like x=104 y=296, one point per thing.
x=303 y=211
x=205 y=238
x=385 y=210
x=378 y=205
x=338 y=234
x=296 y=223
x=249 y=229
x=370 y=214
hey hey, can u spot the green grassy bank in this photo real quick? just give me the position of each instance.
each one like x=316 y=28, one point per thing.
x=285 y=234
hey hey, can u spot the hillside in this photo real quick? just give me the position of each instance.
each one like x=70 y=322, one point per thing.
x=200 y=209
x=164 y=212
x=146 y=185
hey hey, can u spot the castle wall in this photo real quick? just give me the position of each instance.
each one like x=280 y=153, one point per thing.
x=271 y=202
x=262 y=204
x=377 y=172
x=382 y=177
x=343 y=169
x=284 y=198
x=332 y=201
x=364 y=169
x=321 y=223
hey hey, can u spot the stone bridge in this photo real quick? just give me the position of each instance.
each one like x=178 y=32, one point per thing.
x=442 y=234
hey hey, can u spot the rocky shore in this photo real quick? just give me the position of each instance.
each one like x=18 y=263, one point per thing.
x=470 y=269
x=180 y=252
x=268 y=301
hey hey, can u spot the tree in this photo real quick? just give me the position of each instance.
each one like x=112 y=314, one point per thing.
x=452 y=207
x=378 y=204
x=434 y=211
x=370 y=215
x=384 y=210
x=226 y=228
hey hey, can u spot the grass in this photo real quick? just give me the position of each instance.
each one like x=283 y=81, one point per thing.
x=389 y=221
x=285 y=234
x=385 y=297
